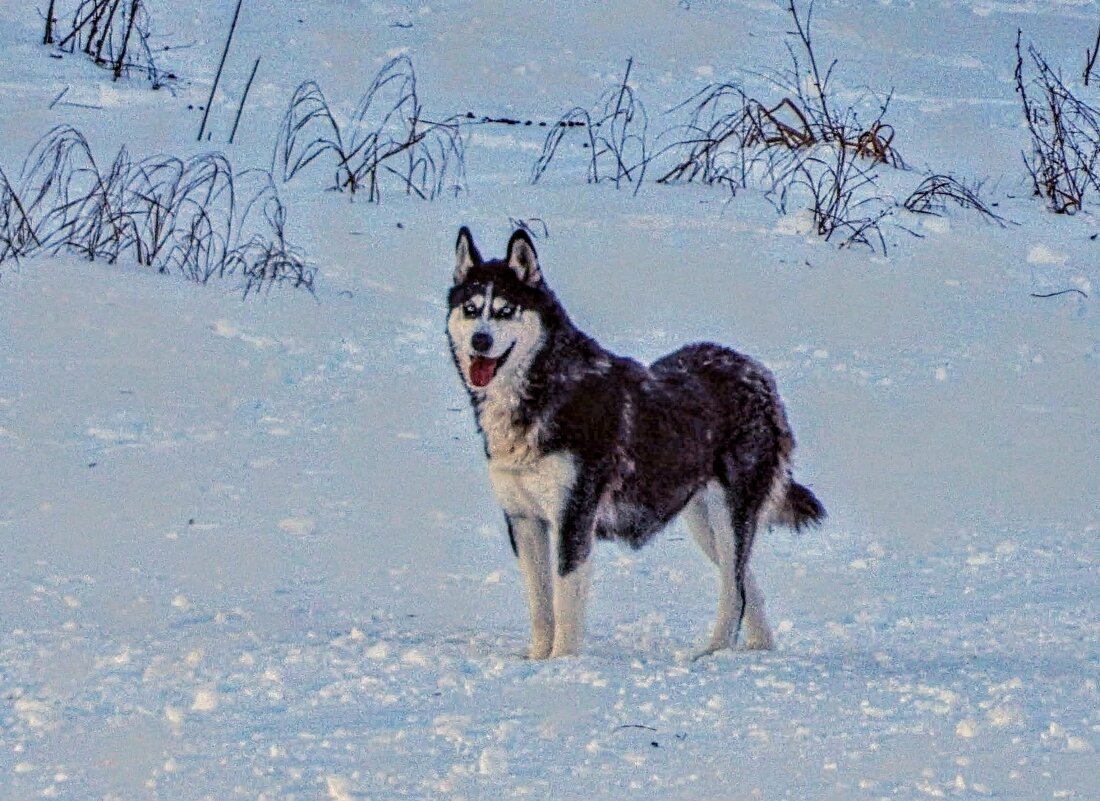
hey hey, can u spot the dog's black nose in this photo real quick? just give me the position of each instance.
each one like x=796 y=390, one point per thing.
x=481 y=342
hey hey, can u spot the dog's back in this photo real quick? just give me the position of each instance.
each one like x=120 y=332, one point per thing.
x=750 y=416
x=677 y=421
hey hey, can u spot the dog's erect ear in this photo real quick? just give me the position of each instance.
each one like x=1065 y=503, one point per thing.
x=466 y=255
x=522 y=258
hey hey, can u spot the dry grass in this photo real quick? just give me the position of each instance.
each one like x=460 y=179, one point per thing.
x=800 y=146
x=385 y=142
x=934 y=193
x=616 y=137
x=845 y=203
x=737 y=140
x=113 y=33
x=194 y=217
x=1064 y=132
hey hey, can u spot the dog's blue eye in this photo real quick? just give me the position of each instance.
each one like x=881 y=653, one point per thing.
x=469 y=309
x=506 y=312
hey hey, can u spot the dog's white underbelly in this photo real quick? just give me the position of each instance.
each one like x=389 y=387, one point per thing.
x=536 y=489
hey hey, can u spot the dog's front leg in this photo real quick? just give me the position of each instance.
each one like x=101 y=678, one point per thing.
x=531 y=539
x=570 y=597
x=574 y=538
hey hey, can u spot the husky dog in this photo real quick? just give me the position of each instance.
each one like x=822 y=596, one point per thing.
x=584 y=445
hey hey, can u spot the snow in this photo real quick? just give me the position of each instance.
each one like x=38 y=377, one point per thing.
x=250 y=545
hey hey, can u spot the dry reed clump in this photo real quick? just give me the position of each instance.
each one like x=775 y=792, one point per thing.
x=195 y=217
x=1064 y=133
x=616 y=137
x=386 y=141
x=112 y=33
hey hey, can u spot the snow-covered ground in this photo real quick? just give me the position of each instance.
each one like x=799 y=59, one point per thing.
x=250 y=550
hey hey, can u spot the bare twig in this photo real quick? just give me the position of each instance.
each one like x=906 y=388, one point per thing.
x=735 y=140
x=60 y=95
x=244 y=97
x=1090 y=56
x=47 y=38
x=844 y=201
x=1056 y=294
x=121 y=60
x=528 y=225
x=820 y=82
x=574 y=118
x=221 y=66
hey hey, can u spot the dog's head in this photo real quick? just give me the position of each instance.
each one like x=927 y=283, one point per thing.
x=494 y=323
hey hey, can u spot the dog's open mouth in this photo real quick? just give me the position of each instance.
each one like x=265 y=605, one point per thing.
x=483 y=369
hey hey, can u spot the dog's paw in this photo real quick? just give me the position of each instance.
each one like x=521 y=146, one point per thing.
x=711 y=648
x=538 y=650
x=759 y=641
x=559 y=650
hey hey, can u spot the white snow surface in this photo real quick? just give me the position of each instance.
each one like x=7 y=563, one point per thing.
x=249 y=546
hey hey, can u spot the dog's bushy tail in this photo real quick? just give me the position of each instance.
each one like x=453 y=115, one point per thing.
x=801 y=508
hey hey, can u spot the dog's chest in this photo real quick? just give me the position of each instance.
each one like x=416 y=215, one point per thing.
x=537 y=490
x=509 y=441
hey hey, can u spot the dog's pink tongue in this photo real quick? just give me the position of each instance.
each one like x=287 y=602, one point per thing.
x=482 y=370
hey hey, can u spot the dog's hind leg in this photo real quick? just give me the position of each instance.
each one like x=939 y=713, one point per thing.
x=724 y=554
x=696 y=516
x=531 y=538
x=710 y=518
x=697 y=519
x=758 y=634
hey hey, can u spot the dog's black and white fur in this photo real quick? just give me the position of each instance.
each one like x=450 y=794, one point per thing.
x=583 y=445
